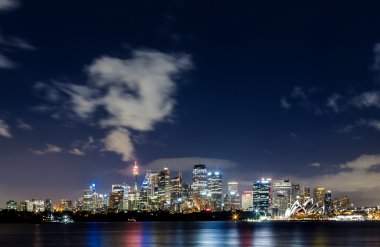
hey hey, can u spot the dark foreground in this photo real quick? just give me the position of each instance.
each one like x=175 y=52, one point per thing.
x=216 y=233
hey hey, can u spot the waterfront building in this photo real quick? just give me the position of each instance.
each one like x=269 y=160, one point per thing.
x=214 y=187
x=48 y=206
x=305 y=194
x=232 y=198
x=262 y=193
x=296 y=193
x=327 y=202
x=164 y=189
x=38 y=205
x=66 y=205
x=281 y=196
x=318 y=195
x=344 y=203
x=11 y=205
x=117 y=197
x=199 y=186
x=247 y=201
x=176 y=195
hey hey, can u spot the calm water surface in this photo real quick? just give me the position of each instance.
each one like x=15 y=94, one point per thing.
x=193 y=234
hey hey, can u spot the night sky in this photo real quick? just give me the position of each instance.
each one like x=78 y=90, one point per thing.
x=283 y=89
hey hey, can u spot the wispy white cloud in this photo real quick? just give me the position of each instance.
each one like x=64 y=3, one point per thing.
x=50 y=148
x=353 y=176
x=77 y=151
x=133 y=94
x=370 y=123
x=6 y=63
x=10 y=42
x=15 y=42
x=285 y=104
x=298 y=92
x=333 y=102
x=315 y=164
x=367 y=99
x=4 y=129
x=22 y=125
x=119 y=141
x=8 y=4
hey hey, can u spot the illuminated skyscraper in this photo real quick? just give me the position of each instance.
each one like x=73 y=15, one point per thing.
x=232 y=199
x=318 y=195
x=262 y=191
x=328 y=203
x=247 y=201
x=344 y=203
x=164 y=188
x=199 y=186
x=117 y=197
x=281 y=195
x=11 y=205
x=48 y=206
x=214 y=186
x=176 y=196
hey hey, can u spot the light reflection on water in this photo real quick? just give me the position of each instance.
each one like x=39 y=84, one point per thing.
x=179 y=234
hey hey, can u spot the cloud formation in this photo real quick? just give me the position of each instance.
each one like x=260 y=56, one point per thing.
x=285 y=104
x=119 y=141
x=8 y=4
x=367 y=99
x=50 y=148
x=333 y=102
x=356 y=175
x=22 y=125
x=4 y=129
x=315 y=164
x=76 y=151
x=10 y=42
x=370 y=123
x=123 y=95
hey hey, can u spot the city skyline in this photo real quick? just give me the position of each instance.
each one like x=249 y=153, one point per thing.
x=162 y=190
x=248 y=89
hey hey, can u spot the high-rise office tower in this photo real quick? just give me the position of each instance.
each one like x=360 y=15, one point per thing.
x=318 y=195
x=214 y=187
x=247 y=201
x=87 y=203
x=176 y=196
x=232 y=199
x=344 y=203
x=164 y=188
x=199 y=186
x=12 y=205
x=117 y=197
x=328 y=203
x=262 y=193
x=48 y=206
x=281 y=196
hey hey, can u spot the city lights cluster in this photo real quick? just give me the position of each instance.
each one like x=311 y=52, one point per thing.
x=274 y=198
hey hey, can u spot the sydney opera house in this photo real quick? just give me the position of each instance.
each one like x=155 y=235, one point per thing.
x=305 y=209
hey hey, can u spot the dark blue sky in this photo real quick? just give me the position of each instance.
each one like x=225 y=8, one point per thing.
x=281 y=89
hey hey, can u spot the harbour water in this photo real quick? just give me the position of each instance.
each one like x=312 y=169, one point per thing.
x=193 y=234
